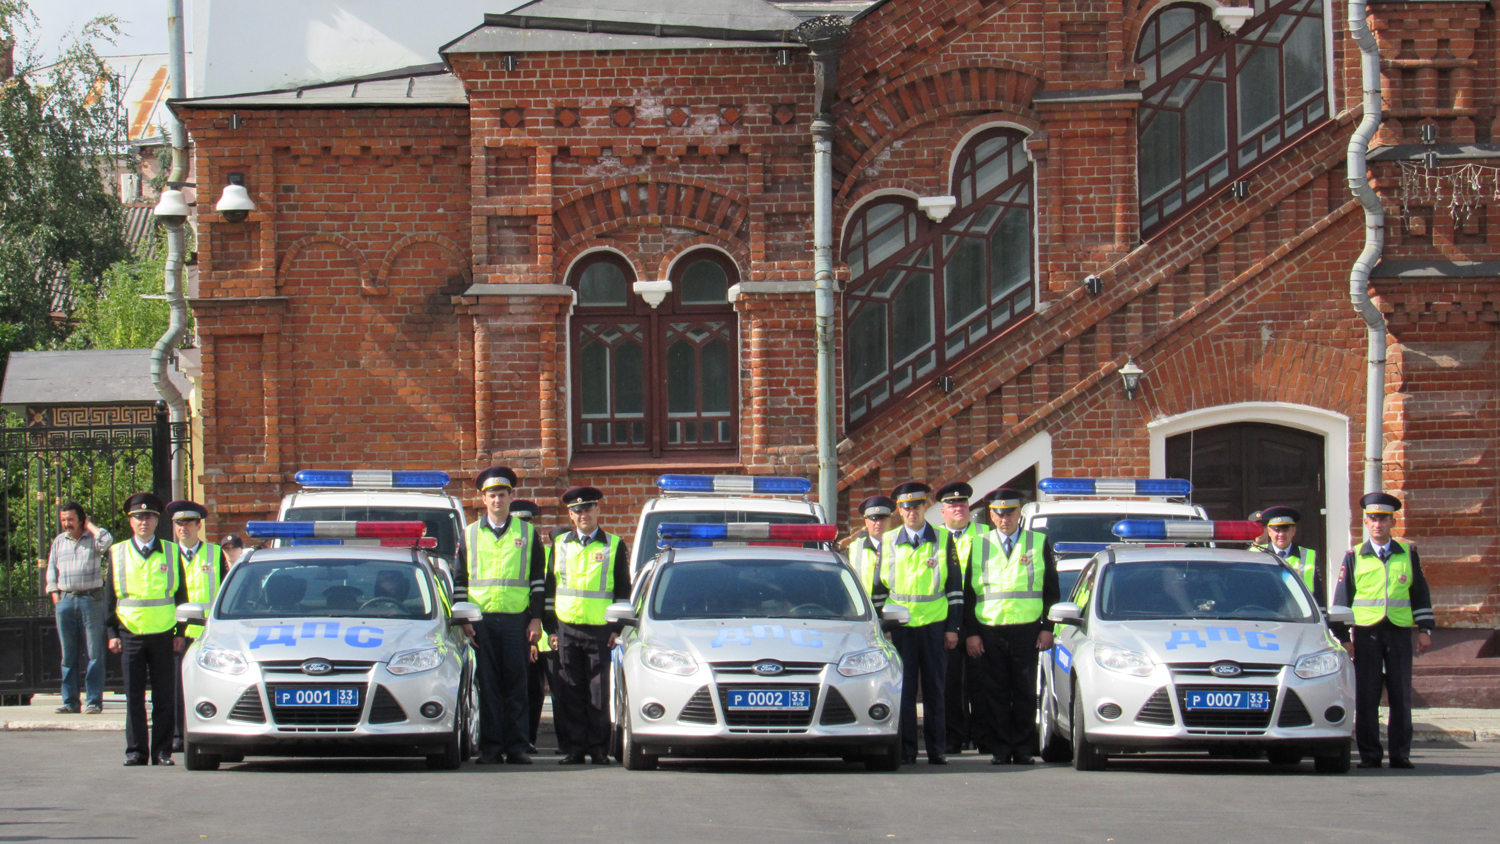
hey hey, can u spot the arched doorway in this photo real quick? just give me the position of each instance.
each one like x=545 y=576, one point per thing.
x=1243 y=467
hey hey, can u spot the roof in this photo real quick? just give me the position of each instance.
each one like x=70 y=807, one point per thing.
x=559 y=25
x=805 y=9
x=408 y=87
x=140 y=228
x=716 y=14
x=331 y=552
x=91 y=376
x=145 y=86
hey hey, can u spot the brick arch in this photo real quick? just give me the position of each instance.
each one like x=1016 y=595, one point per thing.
x=964 y=135
x=569 y=255
x=366 y=278
x=642 y=200
x=888 y=114
x=381 y=282
x=1140 y=11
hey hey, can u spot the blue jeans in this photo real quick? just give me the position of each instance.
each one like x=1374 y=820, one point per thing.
x=81 y=616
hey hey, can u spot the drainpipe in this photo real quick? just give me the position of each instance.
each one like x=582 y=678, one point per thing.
x=161 y=353
x=825 y=36
x=1359 y=276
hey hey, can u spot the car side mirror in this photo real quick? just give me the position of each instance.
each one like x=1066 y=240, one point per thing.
x=1065 y=612
x=621 y=613
x=893 y=616
x=192 y=613
x=466 y=613
x=1340 y=615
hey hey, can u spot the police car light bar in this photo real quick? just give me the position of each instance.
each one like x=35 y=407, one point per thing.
x=371 y=479
x=424 y=542
x=1079 y=548
x=406 y=531
x=733 y=485
x=1145 y=530
x=1143 y=487
x=747 y=532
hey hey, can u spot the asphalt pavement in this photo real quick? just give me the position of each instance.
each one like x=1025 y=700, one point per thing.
x=69 y=786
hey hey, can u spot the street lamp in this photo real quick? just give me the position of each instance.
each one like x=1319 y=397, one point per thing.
x=1131 y=374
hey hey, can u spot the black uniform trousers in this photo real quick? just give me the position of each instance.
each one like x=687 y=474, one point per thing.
x=540 y=676
x=1382 y=662
x=922 y=658
x=179 y=732
x=143 y=657
x=966 y=705
x=501 y=651
x=580 y=701
x=1008 y=687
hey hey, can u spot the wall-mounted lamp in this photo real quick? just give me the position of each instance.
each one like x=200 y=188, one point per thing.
x=1094 y=285
x=1130 y=375
x=1429 y=133
x=945 y=383
x=512 y=61
x=235 y=202
x=783 y=56
x=1430 y=160
x=1240 y=189
x=172 y=208
x=937 y=208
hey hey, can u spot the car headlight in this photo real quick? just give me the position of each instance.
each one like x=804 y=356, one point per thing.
x=221 y=660
x=1123 y=661
x=415 y=662
x=1320 y=664
x=863 y=662
x=668 y=661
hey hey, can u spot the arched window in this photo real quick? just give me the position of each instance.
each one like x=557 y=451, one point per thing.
x=658 y=379
x=1215 y=105
x=921 y=296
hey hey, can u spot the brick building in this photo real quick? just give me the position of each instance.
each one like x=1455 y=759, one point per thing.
x=582 y=246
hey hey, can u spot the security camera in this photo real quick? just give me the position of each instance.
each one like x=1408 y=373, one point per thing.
x=172 y=208
x=235 y=202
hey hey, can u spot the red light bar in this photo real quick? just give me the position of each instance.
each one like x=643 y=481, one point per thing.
x=390 y=530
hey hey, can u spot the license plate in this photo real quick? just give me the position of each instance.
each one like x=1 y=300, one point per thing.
x=1202 y=699
x=317 y=696
x=769 y=700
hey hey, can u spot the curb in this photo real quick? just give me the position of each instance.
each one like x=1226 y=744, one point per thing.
x=62 y=726
x=1433 y=735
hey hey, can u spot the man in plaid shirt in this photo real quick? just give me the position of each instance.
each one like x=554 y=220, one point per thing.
x=75 y=581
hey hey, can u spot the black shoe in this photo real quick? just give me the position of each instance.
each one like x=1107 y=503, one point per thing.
x=178 y=748
x=908 y=760
x=487 y=759
x=999 y=760
x=571 y=759
x=530 y=747
x=1368 y=763
x=937 y=759
x=1022 y=760
x=599 y=759
x=517 y=759
x=66 y=709
x=1405 y=764
x=132 y=761
x=163 y=760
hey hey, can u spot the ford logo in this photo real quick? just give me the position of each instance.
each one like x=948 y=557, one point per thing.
x=317 y=666
x=769 y=668
x=1226 y=669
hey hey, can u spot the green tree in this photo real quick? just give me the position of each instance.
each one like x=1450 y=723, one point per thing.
x=58 y=219
x=118 y=316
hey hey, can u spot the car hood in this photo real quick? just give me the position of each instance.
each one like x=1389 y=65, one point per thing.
x=789 y=640
x=1193 y=640
x=370 y=639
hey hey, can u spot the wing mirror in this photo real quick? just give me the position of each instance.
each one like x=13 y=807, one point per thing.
x=621 y=613
x=893 y=616
x=466 y=613
x=192 y=613
x=1065 y=612
x=1340 y=615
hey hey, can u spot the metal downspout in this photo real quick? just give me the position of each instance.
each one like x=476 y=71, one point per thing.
x=1359 y=276
x=161 y=353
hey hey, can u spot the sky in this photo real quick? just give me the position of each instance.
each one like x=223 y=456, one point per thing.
x=144 y=23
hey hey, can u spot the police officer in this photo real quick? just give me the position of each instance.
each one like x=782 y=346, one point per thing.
x=1390 y=596
x=962 y=683
x=542 y=660
x=141 y=623
x=588 y=571
x=864 y=551
x=203 y=568
x=1260 y=543
x=503 y=573
x=919 y=573
x=1281 y=526
x=1006 y=598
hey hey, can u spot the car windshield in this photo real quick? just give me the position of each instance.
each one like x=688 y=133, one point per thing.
x=441 y=524
x=1203 y=589
x=757 y=589
x=646 y=548
x=338 y=588
x=1093 y=527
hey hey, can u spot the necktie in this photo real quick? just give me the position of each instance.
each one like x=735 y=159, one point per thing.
x=1009 y=544
x=1385 y=554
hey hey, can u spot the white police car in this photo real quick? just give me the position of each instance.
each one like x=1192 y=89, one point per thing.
x=1195 y=648
x=343 y=650
x=722 y=499
x=755 y=651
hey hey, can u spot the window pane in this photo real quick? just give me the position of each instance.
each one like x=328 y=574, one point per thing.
x=867 y=360
x=912 y=309
x=1258 y=87
x=1160 y=154
x=1302 y=61
x=603 y=284
x=714 y=360
x=885 y=243
x=1178 y=52
x=629 y=380
x=1010 y=253
x=1205 y=118
x=704 y=283
x=593 y=364
x=964 y=288
x=682 y=386
x=882 y=214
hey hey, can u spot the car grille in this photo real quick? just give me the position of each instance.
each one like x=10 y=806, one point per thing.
x=294 y=666
x=1294 y=712
x=747 y=669
x=316 y=716
x=248 y=707
x=1158 y=710
x=801 y=718
x=384 y=709
x=1247 y=669
x=1227 y=719
x=836 y=710
x=699 y=709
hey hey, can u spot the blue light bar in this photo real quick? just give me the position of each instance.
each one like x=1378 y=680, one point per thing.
x=297 y=543
x=734 y=484
x=1079 y=548
x=1189 y=530
x=371 y=479
x=279 y=530
x=1143 y=487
